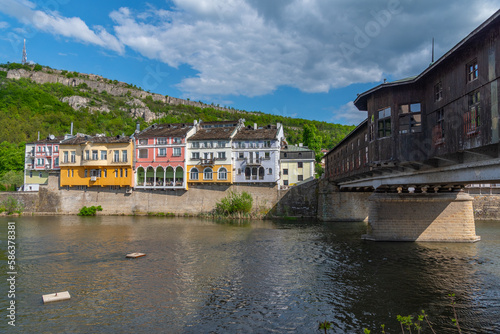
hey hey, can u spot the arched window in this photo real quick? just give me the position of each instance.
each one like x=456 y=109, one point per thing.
x=261 y=173
x=207 y=174
x=248 y=172
x=194 y=174
x=222 y=173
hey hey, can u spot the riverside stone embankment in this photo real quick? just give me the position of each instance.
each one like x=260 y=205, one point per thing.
x=316 y=199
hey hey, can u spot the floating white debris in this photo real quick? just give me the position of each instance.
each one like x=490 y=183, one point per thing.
x=54 y=297
x=135 y=255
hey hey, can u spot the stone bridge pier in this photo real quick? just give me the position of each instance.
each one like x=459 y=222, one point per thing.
x=436 y=217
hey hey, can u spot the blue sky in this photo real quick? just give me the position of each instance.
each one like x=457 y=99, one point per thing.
x=297 y=58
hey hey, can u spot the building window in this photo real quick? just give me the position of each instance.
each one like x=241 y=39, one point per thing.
x=410 y=118
x=195 y=145
x=384 y=122
x=221 y=155
x=85 y=173
x=104 y=155
x=116 y=156
x=56 y=148
x=177 y=140
x=222 y=174
x=241 y=155
x=162 y=152
x=68 y=173
x=221 y=144
x=195 y=155
x=124 y=156
x=207 y=174
x=261 y=173
x=285 y=171
x=116 y=173
x=300 y=177
x=472 y=116
x=126 y=172
x=270 y=171
x=438 y=91
x=87 y=155
x=194 y=174
x=72 y=173
x=472 y=71
x=248 y=173
x=121 y=172
x=239 y=171
x=162 y=141
x=66 y=157
x=31 y=174
x=73 y=156
x=105 y=173
x=300 y=164
x=143 y=141
x=177 y=152
x=372 y=128
x=143 y=154
x=438 y=129
x=94 y=155
x=285 y=182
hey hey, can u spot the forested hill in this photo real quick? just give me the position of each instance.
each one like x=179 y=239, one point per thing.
x=35 y=98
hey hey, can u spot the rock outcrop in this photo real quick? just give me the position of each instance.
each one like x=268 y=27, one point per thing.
x=100 y=84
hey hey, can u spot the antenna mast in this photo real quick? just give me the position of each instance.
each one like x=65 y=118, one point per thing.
x=25 y=56
x=432 y=50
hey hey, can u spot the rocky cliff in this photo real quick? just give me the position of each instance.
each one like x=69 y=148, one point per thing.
x=99 y=84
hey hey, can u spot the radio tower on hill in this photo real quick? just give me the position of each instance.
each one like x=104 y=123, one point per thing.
x=25 y=56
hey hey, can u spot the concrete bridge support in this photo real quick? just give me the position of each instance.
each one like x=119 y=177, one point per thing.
x=438 y=217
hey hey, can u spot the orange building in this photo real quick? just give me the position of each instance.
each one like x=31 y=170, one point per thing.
x=96 y=161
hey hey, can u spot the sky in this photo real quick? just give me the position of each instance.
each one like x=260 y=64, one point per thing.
x=297 y=58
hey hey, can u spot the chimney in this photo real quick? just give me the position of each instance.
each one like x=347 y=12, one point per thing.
x=255 y=126
x=38 y=135
x=138 y=127
x=301 y=144
x=71 y=128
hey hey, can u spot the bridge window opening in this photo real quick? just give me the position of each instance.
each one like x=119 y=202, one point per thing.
x=384 y=122
x=410 y=118
x=438 y=91
x=472 y=71
x=472 y=116
x=438 y=129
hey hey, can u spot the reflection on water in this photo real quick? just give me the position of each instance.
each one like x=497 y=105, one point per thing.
x=205 y=277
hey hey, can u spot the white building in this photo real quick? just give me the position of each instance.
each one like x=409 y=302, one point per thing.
x=256 y=154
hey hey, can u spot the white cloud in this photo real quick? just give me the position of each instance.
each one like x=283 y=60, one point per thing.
x=252 y=47
x=348 y=114
x=3 y=25
x=54 y=23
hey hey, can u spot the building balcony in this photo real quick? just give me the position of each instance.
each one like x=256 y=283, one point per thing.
x=254 y=162
x=207 y=162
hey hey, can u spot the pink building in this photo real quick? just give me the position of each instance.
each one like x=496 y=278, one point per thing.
x=160 y=156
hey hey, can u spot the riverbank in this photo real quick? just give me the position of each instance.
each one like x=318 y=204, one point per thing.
x=313 y=199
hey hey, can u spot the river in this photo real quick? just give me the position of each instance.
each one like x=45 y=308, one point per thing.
x=201 y=276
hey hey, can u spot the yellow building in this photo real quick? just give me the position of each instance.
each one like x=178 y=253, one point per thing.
x=96 y=161
x=208 y=157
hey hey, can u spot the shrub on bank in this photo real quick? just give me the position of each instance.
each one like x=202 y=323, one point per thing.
x=11 y=205
x=89 y=211
x=234 y=204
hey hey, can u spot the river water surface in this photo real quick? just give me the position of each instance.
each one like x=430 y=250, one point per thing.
x=201 y=276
